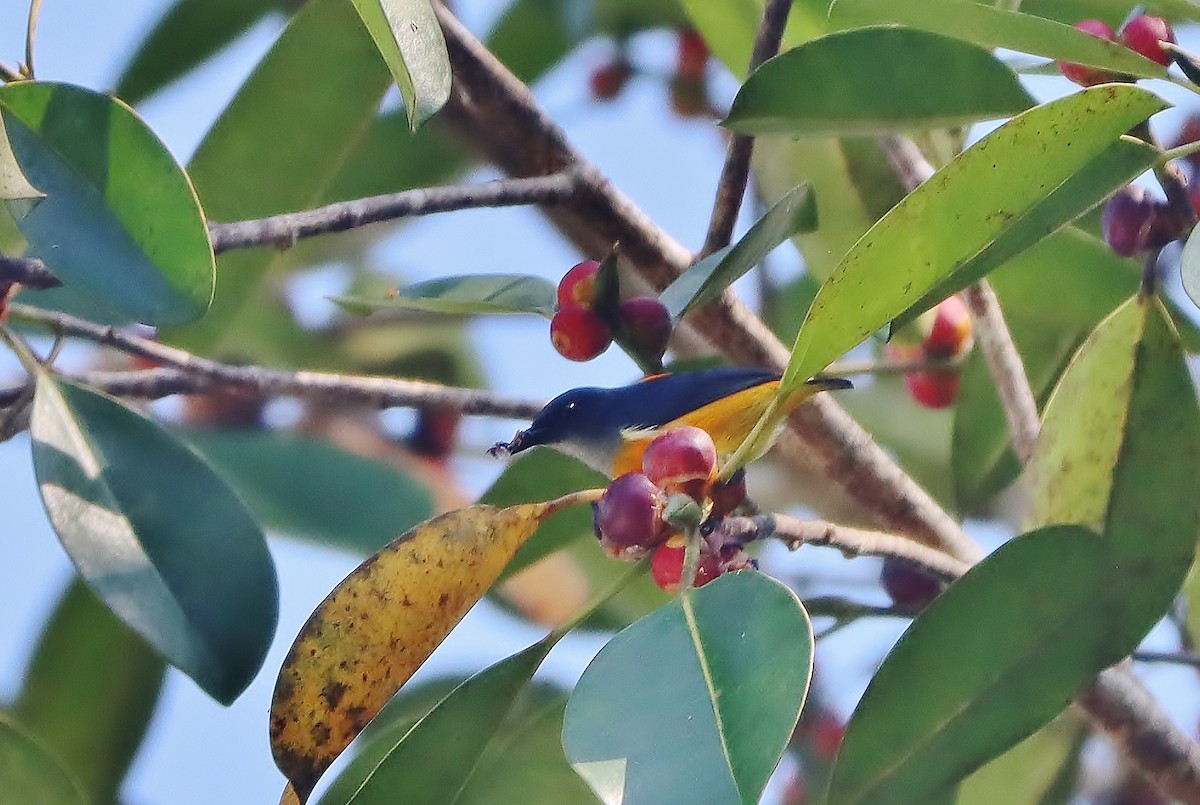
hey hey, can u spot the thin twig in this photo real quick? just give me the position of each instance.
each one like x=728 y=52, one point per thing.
x=1188 y=658
x=282 y=231
x=991 y=331
x=888 y=367
x=9 y=74
x=29 y=271
x=735 y=174
x=35 y=8
x=193 y=374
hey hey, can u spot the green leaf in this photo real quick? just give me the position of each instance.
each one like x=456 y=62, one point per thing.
x=30 y=773
x=918 y=730
x=157 y=534
x=120 y=224
x=466 y=294
x=729 y=27
x=409 y=36
x=960 y=213
x=1189 y=267
x=309 y=488
x=1032 y=771
x=732 y=662
x=706 y=279
x=274 y=150
x=90 y=691
x=185 y=37
x=437 y=757
x=991 y=27
x=933 y=82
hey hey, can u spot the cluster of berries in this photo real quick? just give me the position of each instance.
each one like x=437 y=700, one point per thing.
x=942 y=333
x=1143 y=33
x=587 y=320
x=639 y=511
x=688 y=88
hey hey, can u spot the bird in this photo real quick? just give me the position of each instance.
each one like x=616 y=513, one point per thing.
x=609 y=428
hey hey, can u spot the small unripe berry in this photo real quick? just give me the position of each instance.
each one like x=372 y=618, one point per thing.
x=1084 y=75
x=1145 y=33
x=578 y=286
x=950 y=334
x=578 y=333
x=608 y=80
x=692 y=53
x=666 y=566
x=648 y=323
x=934 y=388
x=1128 y=219
x=909 y=588
x=682 y=460
x=630 y=512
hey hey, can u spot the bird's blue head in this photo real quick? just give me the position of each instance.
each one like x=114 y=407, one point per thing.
x=577 y=422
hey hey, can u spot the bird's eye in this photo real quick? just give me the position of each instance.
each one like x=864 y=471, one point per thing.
x=570 y=406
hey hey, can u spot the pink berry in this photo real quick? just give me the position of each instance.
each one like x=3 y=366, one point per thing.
x=578 y=286
x=649 y=324
x=950 y=334
x=578 y=333
x=682 y=460
x=1145 y=35
x=1082 y=74
x=630 y=512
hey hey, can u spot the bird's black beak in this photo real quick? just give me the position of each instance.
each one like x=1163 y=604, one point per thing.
x=519 y=442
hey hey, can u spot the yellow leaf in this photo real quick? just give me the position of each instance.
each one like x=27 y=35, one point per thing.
x=381 y=623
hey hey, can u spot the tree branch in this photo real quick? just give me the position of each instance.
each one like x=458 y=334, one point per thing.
x=192 y=374
x=735 y=174
x=282 y=231
x=991 y=331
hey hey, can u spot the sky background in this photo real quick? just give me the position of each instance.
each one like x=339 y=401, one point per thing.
x=200 y=752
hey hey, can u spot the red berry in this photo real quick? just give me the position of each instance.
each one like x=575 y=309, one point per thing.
x=630 y=512
x=578 y=333
x=649 y=324
x=935 y=388
x=1128 y=219
x=682 y=460
x=666 y=566
x=608 y=80
x=578 y=286
x=909 y=588
x=1144 y=34
x=1081 y=74
x=950 y=334
x=827 y=735
x=692 y=53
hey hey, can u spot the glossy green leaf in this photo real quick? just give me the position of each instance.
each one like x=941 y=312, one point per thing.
x=465 y=294
x=992 y=27
x=729 y=27
x=187 y=35
x=90 y=691
x=273 y=150
x=732 y=662
x=1189 y=267
x=944 y=82
x=918 y=730
x=312 y=489
x=435 y=760
x=707 y=278
x=408 y=35
x=993 y=187
x=1035 y=770
x=157 y=534
x=30 y=773
x=1111 y=11
x=120 y=224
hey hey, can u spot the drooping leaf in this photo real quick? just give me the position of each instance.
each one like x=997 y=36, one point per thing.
x=308 y=488
x=933 y=82
x=436 y=759
x=30 y=772
x=992 y=27
x=732 y=662
x=918 y=730
x=408 y=35
x=465 y=294
x=273 y=150
x=156 y=534
x=190 y=32
x=1035 y=770
x=703 y=281
x=380 y=624
x=120 y=224
x=963 y=210
x=89 y=692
